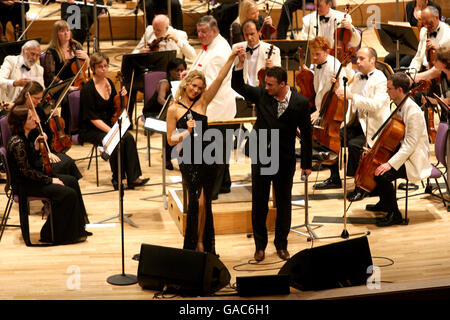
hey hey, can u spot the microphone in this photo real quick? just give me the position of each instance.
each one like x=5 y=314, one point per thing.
x=189 y=116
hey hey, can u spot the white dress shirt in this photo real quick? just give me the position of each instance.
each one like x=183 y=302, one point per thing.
x=322 y=78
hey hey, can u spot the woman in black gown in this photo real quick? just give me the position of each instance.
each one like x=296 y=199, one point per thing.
x=97 y=108
x=28 y=179
x=188 y=113
x=61 y=162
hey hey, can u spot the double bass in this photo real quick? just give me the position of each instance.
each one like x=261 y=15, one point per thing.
x=391 y=133
x=332 y=113
x=305 y=80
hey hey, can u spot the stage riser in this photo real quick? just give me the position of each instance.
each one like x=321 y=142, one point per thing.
x=123 y=27
x=227 y=220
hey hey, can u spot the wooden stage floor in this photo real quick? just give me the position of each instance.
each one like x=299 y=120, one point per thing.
x=420 y=250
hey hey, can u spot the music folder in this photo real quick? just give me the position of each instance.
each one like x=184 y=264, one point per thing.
x=111 y=139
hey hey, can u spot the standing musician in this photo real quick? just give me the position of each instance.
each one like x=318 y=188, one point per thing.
x=168 y=39
x=86 y=17
x=329 y=21
x=257 y=53
x=97 y=101
x=61 y=162
x=17 y=71
x=11 y=10
x=368 y=109
x=211 y=58
x=28 y=179
x=282 y=109
x=434 y=35
x=287 y=9
x=411 y=161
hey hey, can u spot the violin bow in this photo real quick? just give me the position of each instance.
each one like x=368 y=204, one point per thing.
x=31 y=23
x=61 y=97
x=38 y=120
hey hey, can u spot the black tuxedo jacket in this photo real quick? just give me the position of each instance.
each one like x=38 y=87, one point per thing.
x=296 y=115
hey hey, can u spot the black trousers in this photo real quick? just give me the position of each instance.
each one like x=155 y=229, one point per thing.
x=222 y=179
x=386 y=190
x=355 y=141
x=131 y=168
x=404 y=60
x=283 y=24
x=86 y=20
x=154 y=7
x=282 y=185
x=12 y=13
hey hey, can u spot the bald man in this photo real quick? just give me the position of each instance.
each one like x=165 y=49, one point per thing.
x=176 y=39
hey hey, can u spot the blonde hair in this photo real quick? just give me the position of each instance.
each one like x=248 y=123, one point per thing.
x=54 y=42
x=191 y=76
x=244 y=7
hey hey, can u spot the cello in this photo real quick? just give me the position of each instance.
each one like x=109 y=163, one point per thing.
x=332 y=113
x=305 y=80
x=43 y=146
x=391 y=133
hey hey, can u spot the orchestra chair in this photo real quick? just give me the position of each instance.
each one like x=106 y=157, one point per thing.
x=151 y=80
x=24 y=218
x=75 y=114
x=440 y=153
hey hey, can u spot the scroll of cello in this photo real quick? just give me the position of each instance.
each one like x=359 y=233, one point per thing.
x=392 y=133
x=332 y=113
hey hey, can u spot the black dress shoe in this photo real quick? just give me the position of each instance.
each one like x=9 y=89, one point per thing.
x=390 y=219
x=169 y=165
x=330 y=183
x=259 y=255
x=376 y=208
x=138 y=184
x=88 y=233
x=115 y=184
x=283 y=254
x=357 y=195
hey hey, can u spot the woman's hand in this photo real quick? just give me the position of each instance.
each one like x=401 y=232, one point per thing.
x=123 y=92
x=190 y=125
x=57 y=181
x=53 y=158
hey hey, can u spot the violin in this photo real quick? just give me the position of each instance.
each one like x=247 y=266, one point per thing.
x=76 y=66
x=332 y=113
x=61 y=143
x=391 y=133
x=43 y=146
x=343 y=37
x=262 y=71
x=268 y=31
x=154 y=45
x=305 y=80
x=120 y=102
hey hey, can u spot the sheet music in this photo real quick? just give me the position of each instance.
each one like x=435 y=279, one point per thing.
x=155 y=125
x=174 y=85
x=111 y=139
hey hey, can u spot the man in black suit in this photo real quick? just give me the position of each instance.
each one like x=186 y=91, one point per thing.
x=280 y=111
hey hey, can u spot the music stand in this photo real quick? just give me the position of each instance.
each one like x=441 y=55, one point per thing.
x=398 y=39
x=13 y=48
x=136 y=65
x=289 y=53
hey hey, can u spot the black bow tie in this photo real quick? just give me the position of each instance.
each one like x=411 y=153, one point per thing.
x=251 y=49
x=364 y=77
x=319 y=66
x=26 y=67
x=323 y=18
x=433 y=34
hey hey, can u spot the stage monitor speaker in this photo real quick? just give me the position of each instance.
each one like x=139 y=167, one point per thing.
x=187 y=272
x=335 y=265
x=262 y=285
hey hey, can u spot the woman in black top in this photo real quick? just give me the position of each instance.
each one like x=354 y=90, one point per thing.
x=28 y=179
x=61 y=162
x=97 y=108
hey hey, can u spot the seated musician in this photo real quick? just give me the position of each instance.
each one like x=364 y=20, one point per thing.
x=17 y=71
x=413 y=12
x=173 y=39
x=329 y=21
x=368 y=109
x=434 y=35
x=11 y=10
x=248 y=9
x=257 y=53
x=61 y=162
x=412 y=158
x=29 y=179
x=97 y=101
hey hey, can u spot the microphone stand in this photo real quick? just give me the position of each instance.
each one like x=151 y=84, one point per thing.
x=95 y=44
x=123 y=278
